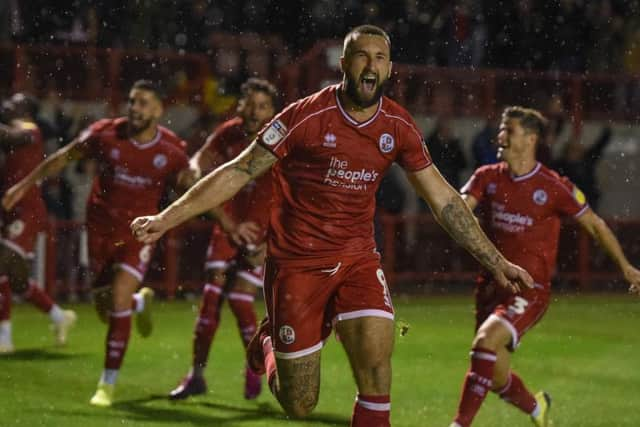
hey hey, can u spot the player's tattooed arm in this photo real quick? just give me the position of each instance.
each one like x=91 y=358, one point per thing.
x=453 y=214
x=254 y=161
x=214 y=189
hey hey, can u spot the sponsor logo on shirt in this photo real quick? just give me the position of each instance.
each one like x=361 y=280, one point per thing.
x=160 y=161
x=509 y=221
x=491 y=188
x=540 y=197
x=329 y=140
x=339 y=174
x=274 y=133
x=386 y=143
x=122 y=176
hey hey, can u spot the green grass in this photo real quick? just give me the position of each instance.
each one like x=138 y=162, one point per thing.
x=585 y=353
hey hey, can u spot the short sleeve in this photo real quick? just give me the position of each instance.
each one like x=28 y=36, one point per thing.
x=90 y=137
x=180 y=161
x=276 y=135
x=570 y=200
x=413 y=154
x=475 y=187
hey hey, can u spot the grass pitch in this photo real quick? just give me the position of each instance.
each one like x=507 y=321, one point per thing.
x=585 y=353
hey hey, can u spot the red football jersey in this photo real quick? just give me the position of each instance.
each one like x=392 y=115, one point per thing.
x=329 y=170
x=132 y=175
x=20 y=160
x=524 y=213
x=254 y=200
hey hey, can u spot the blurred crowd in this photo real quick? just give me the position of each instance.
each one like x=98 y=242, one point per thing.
x=564 y=35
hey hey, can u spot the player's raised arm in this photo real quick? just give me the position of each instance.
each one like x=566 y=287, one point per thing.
x=600 y=231
x=50 y=166
x=453 y=214
x=212 y=190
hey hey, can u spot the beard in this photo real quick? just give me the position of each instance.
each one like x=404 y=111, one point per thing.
x=141 y=126
x=351 y=90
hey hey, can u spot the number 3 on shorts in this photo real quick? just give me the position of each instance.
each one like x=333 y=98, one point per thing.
x=385 y=288
x=519 y=305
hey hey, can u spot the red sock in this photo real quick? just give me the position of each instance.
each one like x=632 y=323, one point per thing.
x=476 y=385
x=371 y=411
x=38 y=297
x=117 y=338
x=270 y=363
x=241 y=305
x=206 y=324
x=516 y=393
x=5 y=298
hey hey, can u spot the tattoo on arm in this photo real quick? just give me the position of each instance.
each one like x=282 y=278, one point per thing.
x=458 y=220
x=254 y=161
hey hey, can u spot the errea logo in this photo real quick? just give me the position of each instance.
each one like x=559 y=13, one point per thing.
x=329 y=140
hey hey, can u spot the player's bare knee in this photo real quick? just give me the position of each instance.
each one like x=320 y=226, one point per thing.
x=301 y=406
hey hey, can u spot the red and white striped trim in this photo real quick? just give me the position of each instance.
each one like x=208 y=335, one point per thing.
x=250 y=278
x=363 y=313
x=16 y=248
x=582 y=211
x=351 y=120
x=239 y=296
x=514 y=333
x=483 y=356
x=506 y=387
x=119 y=314
x=373 y=406
x=209 y=287
x=528 y=175
x=216 y=264
x=296 y=354
x=132 y=271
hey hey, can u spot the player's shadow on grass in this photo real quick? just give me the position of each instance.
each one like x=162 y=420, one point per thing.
x=181 y=412
x=39 y=354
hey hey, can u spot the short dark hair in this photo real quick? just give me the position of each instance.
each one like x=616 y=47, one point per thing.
x=150 y=86
x=364 y=29
x=530 y=119
x=255 y=84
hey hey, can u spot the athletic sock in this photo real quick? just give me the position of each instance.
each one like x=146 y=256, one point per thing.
x=5 y=299
x=241 y=305
x=516 y=393
x=117 y=339
x=371 y=411
x=206 y=326
x=38 y=297
x=476 y=385
x=270 y=364
x=137 y=303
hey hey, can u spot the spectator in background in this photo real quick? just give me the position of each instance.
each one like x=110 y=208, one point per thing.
x=579 y=164
x=483 y=147
x=446 y=152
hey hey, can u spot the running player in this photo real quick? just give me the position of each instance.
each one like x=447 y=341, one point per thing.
x=137 y=159
x=329 y=152
x=236 y=249
x=524 y=201
x=22 y=145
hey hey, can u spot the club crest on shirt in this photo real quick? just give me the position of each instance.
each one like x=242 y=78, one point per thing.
x=329 y=140
x=16 y=228
x=386 y=143
x=114 y=154
x=491 y=188
x=274 y=133
x=160 y=161
x=540 y=197
x=287 y=334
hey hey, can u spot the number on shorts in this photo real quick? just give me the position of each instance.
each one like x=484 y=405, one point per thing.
x=385 y=288
x=519 y=305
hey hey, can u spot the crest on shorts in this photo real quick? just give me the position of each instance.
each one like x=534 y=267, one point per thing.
x=491 y=188
x=386 y=143
x=540 y=197
x=160 y=161
x=287 y=334
x=16 y=228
